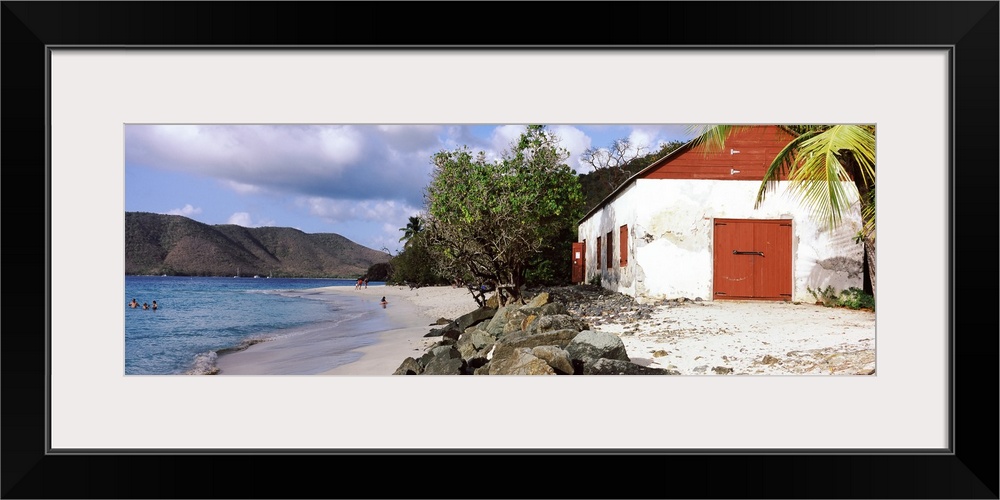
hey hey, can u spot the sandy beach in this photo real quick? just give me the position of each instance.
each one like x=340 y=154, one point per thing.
x=694 y=338
x=413 y=312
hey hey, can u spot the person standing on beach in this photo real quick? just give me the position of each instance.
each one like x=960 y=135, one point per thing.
x=366 y=282
x=357 y=286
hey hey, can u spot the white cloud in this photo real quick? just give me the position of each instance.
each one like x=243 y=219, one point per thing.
x=502 y=138
x=576 y=142
x=187 y=211
x=240 y=219
x=389 y=212
x=244 y=219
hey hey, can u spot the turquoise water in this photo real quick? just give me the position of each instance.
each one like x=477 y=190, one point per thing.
x=199 y=318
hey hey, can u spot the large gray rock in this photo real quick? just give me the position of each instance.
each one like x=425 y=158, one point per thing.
x=409 y=366
x=606 y=366
x=560 y=338
x=552 y=308
x=548 y=323
x=496 y=324
x=441 y=351
x=455 y=328
x=475 y=317
x=519 y=361
x=445 y=366
x=589 y=346
x=538 y=300
x=556 y=357
x=474 y=343
x=518 y=321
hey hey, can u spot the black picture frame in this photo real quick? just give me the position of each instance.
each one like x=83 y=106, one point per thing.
x=969 y=28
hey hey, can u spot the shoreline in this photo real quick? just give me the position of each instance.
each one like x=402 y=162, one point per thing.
x=373 y=344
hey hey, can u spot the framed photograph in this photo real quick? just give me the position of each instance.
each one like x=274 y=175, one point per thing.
x=78 y=74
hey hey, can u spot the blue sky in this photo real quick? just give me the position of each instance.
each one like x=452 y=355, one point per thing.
x=360 y=181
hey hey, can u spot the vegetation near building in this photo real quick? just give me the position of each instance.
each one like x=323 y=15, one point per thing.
x=499 y=222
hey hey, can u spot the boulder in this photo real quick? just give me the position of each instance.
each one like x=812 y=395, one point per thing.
x=409 y=366
x=556 y=357
x=496 y=324
x=519 y=361
x=589 y=346
x=559 y=338
x=556 y=322
x=538 y=300
x=445 y=366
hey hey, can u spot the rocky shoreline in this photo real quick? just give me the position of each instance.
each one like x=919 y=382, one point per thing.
x=585 y=329
x=550 y=334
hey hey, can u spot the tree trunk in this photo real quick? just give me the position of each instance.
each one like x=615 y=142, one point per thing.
x=864 y=198
x=870 y=257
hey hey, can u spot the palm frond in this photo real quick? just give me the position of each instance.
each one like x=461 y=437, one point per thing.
x=819 y=178
x=712 y=138
x=784 y=162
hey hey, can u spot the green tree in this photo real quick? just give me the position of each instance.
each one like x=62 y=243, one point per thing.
x=816 y=163
x=493 y=219
x=418 y=263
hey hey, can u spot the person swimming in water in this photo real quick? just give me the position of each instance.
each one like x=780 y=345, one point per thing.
x=154 y=305
x=383 y=302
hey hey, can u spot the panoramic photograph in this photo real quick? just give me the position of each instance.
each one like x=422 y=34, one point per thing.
x=499 y=249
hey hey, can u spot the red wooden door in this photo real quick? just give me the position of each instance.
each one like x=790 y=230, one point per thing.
x=753 y=259
x=773 y=270
x=579 y=262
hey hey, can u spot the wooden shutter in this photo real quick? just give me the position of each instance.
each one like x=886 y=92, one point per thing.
x=597 y=254
x=623 y=245
x=611 y=249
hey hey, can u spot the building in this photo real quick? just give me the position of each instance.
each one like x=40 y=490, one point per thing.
x=686 y=227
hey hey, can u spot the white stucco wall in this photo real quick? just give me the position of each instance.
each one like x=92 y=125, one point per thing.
x=670 y=226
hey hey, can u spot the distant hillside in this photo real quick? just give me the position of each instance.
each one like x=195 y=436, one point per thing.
x=176 y=245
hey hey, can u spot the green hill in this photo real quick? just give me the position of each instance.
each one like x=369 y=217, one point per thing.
x=177 y=245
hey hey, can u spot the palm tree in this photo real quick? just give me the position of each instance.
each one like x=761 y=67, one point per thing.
x=816 y=162
x=412 y=228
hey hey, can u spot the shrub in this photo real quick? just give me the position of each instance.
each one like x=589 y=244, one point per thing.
x=827 y=296
x=856 y=298
x=852 y=298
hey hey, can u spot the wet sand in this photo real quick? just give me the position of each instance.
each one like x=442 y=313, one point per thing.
x=373 y=344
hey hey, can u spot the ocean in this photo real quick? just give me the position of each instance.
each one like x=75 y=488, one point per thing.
x=198 y=319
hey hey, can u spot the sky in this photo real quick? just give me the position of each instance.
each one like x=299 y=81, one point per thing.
x=362 y=182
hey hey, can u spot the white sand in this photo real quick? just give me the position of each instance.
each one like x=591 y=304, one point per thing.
x=751 y=338
x=694 y=338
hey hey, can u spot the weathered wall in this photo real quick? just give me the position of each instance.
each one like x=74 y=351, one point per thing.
x=670 y=238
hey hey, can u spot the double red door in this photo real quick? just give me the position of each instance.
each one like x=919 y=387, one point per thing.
x=753 y=259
